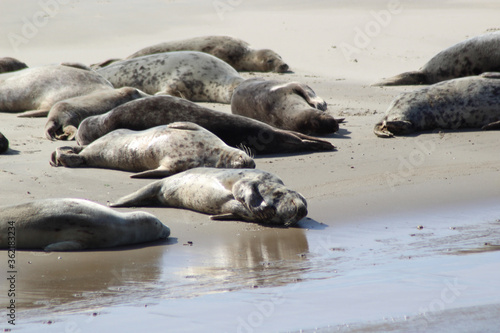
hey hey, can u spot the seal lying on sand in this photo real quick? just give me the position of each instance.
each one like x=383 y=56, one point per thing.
x=470 y=102
x=235 y=52
x=291 y=106
x=4 y=144
x=471 y=57
x=65 y=116
x=234 y=130
x=159 y=151
x=74 y=224
x=228 y=194
x=196 y=76
x=39 y=88
x=8 y=64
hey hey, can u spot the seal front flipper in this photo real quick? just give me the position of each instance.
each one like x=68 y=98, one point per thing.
x=157 y=173
x=408 y=78
x=491 y=126
x=146 y=196
x=381 y=131
x=64 y=246
x=225 y=217
x=33 y=114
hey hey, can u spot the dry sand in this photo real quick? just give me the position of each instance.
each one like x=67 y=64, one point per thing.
x=357 y=263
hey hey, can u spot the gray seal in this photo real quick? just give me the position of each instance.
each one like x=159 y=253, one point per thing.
x=468 y=58
x=228 y=194
x=65 y=116
x=73 y=225
x=4 y=144
x=156 y=152
x=8 y=64
x=234 y=51
x=290 y=106
x=195 y=76
x=470 y=102
x=234 y=130
x=39 y=88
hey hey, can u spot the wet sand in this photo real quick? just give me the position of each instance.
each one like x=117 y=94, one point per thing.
x=358 y=263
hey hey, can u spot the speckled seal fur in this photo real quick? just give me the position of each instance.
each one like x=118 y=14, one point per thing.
x=290 y=106
x=473 y=56
x=235 y=52
x=234 y=130
x=8 y=64
x=4 y=144
x=75 y=224
x=228 y=194
x=470 y=102
x=195 y=76
x=65 y=116
x=39 y=88
x=158 y=152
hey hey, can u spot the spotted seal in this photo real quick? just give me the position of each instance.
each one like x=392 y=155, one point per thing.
x=290 y=106
x=158 y=152
x=469 y=102
x=234 y=51
x=65 y=116
x=234 y=130
x=4 y=143
x=73 y=225
x=38 y=88
x=8 y=64
x=228 y=194
x=195 y=76
x=468 y=58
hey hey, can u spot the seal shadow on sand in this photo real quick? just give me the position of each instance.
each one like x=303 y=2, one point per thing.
x=11 y=151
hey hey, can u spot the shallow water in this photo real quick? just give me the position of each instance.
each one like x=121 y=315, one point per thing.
x=381 y=271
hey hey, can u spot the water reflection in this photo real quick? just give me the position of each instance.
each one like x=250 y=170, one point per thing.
x=268 y=257
x=74 y=281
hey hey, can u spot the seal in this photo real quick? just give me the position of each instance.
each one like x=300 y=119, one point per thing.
x=65 y=116
x=158 y=152
x=469 y=102
x=195 y=76
x=73 y=225
x=8 y=64
x=228 y=194
x=234 y=130
x=39 y=88
x=468 y=58
x=290 y=106
x=234 y=51
x=4 y=143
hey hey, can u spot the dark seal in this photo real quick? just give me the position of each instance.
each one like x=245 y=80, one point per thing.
x=234 y=130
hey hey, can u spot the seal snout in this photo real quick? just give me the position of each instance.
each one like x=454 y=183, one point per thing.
x=282 y=68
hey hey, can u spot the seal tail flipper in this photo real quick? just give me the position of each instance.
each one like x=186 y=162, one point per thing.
x=34 y=114
x=407 y=78
x=157 y=173
x=312 y=142
x=148 y=195
x=491 y=126
x=381 y=130
x=64 y=246
x=67 y=156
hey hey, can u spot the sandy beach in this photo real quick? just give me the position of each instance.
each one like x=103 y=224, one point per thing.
x=402 y=234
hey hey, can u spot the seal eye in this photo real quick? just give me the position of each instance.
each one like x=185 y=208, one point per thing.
x=270 y=61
